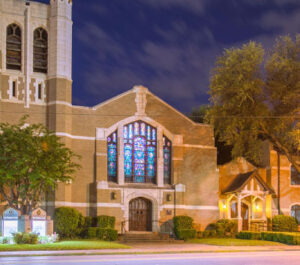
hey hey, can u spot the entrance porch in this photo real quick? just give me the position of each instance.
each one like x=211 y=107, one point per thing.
x=247 y=200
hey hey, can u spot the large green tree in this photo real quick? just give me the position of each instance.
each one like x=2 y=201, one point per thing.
x=32 y=161
x=256 y=97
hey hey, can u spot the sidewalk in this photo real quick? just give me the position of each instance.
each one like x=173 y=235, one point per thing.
x=149 y=248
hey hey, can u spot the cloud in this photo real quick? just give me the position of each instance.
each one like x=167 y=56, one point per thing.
x=194 y=6
x=176 y=71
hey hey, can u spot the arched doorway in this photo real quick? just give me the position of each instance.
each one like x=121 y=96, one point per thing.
x=245 y=216
x=140 y=215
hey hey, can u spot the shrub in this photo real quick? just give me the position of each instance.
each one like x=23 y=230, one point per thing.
x=182 y=222
x=25 y=238
x=249 y=235
x=226 y=228
x=284 y=223
x=91 y=232
x=107 y=234
x=105 y=221
x=286 y=238
x=206 y=233
x=4 y=240
x=184 y=234
x=67 y=222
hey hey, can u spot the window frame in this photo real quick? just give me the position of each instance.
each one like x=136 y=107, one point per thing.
x=36 y=50
x=294 y=172
x=14 y=48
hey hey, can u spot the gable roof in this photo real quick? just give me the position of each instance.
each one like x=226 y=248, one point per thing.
x=241 y=180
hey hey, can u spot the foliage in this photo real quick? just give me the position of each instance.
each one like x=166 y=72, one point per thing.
x=255 y=97
x=284 y=223
x=198 y=114
x=48 y=239
x=4 y=240
x=185 y=234
x=25 y=238
x=226 y=228
x=249 y=235
x=67 y=221
x=91 y=232
x=105 y=221
x=107 y=234
x=32 y=161
x=183 y=222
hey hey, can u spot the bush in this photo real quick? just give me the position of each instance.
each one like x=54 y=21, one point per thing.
x=105 y=221
x=249 y=235
x=25 y=238
x=184 y=234
x=91 y=232
x=285 y=238
x=67 y=222
x=284 y=223
x=181 y=224
x=226 y=228
x=4 y=240
x=107 y=234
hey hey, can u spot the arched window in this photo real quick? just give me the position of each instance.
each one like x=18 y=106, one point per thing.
x=139 y=152
x=112 y=157
x=167 y=160
x=40 y=51
x=295 y=212
x=13 y=47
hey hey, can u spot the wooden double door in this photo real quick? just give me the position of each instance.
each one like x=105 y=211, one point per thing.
x=140 y=215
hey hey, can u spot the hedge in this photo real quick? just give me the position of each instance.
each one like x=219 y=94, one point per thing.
x=249 y=235
x=107 y=234
x=282 y=237
x=184 y=234
x=105 y=221
x=284 y=223
x=67 y=222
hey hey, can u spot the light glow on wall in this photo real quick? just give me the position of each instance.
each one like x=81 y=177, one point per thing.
x=39 y=227
x=10 y=227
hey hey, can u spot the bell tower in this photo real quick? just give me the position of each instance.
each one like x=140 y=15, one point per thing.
x=60 y=51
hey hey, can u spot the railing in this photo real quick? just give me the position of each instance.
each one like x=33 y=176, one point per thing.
x=263 y=226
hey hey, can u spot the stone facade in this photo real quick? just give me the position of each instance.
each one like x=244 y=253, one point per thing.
x=194 y=185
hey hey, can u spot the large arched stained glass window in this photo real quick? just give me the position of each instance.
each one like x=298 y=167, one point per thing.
x=139 y=152
x=40 y=51
x=112 y=157
x=167 y=160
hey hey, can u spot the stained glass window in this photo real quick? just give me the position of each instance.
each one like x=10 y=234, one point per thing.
x=112 y=157
x=167 y=160
x=139 y=152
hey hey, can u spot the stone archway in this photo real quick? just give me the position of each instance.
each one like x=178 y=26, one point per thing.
x=140 y=214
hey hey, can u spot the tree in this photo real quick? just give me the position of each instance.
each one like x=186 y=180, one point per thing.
x=255 y=97
x=223 y=151
x=32 y=161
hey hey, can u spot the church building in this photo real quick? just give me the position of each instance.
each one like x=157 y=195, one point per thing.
x=142 y=160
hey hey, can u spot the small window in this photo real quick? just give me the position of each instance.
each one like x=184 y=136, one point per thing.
x=295 y=176
x=40 y=91
x=40 y=51
x=14 y=89
x=13 y=47
x=295 y=212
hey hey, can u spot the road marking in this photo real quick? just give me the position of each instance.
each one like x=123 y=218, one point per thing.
x=149 y=258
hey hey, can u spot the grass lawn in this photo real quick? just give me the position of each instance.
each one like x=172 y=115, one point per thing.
x=233 y=242
x=65 y=245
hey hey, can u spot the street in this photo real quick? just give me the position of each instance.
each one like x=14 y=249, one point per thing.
x=239 y=258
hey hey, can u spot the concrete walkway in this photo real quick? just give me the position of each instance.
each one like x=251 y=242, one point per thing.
x=144 y=248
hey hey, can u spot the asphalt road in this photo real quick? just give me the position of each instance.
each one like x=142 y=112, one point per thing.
x=246 y=258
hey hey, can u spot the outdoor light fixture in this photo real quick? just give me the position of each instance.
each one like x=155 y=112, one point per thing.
x=224 y=206
x=257 y=207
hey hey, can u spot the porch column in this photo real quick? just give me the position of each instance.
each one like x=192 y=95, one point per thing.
x=264 y=208
x=240 y=220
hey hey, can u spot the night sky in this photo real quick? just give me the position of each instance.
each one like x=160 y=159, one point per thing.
x=169 y=46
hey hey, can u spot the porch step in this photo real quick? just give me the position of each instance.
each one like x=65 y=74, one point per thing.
x=145 y=237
